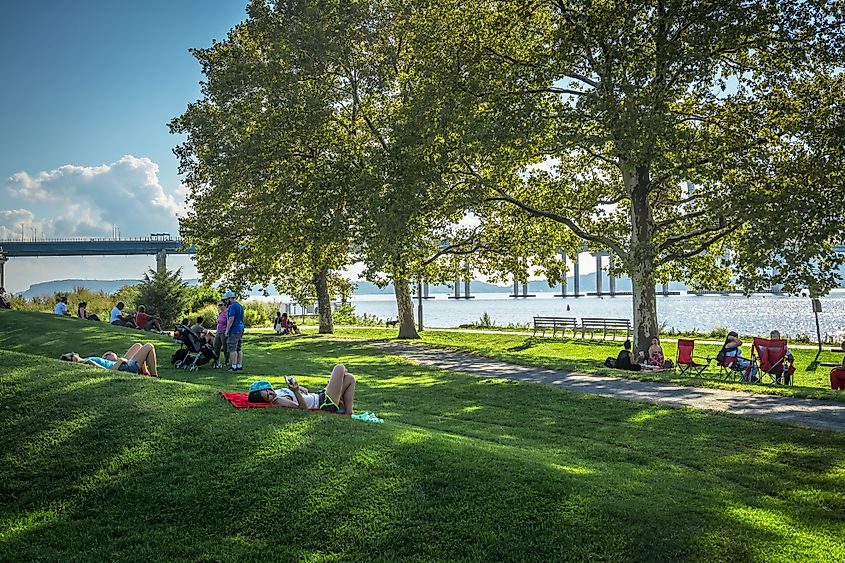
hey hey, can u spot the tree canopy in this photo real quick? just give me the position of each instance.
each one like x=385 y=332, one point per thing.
x=698 y=141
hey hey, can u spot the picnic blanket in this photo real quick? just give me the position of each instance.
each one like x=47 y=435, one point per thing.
x=239 y=400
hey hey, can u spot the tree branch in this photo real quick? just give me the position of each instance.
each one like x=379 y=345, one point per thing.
x=702 y=247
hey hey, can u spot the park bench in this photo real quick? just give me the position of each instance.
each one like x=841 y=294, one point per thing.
x=607 y=326
x=554 y=324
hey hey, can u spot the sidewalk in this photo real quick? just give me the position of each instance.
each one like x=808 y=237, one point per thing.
x=807 y=412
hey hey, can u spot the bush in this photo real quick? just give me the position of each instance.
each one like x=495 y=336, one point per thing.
x=257 y=313
x=345 y=315
x=164 y=294
x=202 y=295
x=209 y=316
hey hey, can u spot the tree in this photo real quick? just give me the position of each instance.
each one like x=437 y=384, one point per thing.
x=164 y=293
x=268 y=162
x=697 y=140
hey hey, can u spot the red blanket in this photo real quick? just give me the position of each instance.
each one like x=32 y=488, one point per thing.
x=239 y=401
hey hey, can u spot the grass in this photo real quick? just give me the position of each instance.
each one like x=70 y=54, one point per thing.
x=587 y=356
x=102 y=466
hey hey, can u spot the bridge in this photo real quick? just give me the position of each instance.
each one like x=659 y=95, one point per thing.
x=154 y=245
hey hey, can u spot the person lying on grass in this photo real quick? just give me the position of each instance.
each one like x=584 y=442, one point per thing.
x=140 y=358
x=336 y=397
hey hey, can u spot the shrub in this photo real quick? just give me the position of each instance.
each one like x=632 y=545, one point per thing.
x=345 y=315
x=164 y=294
x=258 y=313
x=202 y=295
x=208 y=314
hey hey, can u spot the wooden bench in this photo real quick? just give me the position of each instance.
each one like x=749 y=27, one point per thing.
x=612 y=326
x=554 y=324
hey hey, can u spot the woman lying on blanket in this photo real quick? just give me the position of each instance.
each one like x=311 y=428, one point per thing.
x=140 y=358
x=336 y=397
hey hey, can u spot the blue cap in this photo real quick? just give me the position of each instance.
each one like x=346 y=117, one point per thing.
x=260 y=385
x=229 y=295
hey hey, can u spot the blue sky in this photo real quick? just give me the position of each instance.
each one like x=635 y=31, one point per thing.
x=88 y=89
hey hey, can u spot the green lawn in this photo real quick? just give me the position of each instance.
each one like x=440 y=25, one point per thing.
x=102 y=466
x=587 y=356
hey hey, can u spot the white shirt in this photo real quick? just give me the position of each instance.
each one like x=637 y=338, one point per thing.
x=61 y=308
x=311 y=399
x=115 y=314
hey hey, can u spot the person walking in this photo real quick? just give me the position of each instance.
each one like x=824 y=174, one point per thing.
x=234 y=331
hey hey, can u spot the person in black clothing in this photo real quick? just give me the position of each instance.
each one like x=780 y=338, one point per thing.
x=624 y=360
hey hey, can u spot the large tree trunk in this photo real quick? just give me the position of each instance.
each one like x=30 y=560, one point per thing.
x=324 y=302
x=405 y=308
x=641 y=260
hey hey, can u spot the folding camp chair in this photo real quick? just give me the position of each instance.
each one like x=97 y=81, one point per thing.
x=730 y=370
x=686 y=362
x=772 y=358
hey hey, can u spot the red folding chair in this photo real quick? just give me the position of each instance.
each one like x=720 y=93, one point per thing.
x=685 y=362
x=730 y=370
x=772 y=358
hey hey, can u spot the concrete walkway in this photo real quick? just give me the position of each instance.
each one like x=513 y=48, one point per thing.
x=807 y=412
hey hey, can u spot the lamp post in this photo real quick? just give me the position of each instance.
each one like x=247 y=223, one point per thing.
x=419 y=306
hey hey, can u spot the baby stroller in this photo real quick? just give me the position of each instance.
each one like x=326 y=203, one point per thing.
x=193 y=352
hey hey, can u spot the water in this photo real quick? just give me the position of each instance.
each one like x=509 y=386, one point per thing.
x=757 y=314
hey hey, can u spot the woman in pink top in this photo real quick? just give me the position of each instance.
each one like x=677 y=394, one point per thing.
x=220 y=337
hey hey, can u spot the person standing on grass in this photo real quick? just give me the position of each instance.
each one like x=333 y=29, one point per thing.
x=234 y=331
x=220 y=336
x=60 y=310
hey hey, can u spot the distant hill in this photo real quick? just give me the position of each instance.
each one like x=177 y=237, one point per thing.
x=46 y=289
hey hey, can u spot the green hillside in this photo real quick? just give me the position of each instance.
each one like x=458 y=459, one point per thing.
x=106 y=467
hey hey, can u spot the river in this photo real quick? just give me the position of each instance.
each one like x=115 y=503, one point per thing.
x=757 y=314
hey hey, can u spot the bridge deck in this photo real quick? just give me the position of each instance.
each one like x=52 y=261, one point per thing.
x=93 y=247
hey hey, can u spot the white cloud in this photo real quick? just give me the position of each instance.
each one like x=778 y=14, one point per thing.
x=87 y=200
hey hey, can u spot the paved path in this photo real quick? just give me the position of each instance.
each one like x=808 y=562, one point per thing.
x=808 y=412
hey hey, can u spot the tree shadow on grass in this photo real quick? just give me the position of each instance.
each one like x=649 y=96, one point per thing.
x=467 y=467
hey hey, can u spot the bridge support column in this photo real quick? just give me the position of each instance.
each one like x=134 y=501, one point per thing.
x=161 y=262
x=576 y=279
x=3 y=261
x=665 y=289
x=613 y=286
x=599 y=289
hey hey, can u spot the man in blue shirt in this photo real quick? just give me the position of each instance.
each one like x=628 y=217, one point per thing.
x=234 y=330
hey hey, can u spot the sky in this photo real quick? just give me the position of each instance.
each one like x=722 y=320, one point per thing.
x=88 y=90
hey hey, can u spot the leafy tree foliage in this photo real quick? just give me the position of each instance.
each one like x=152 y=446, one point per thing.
x=164 y=294
x=697 y=140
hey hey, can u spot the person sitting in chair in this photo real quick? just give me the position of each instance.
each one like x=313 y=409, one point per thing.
x=789 y=359
x=732 y=348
